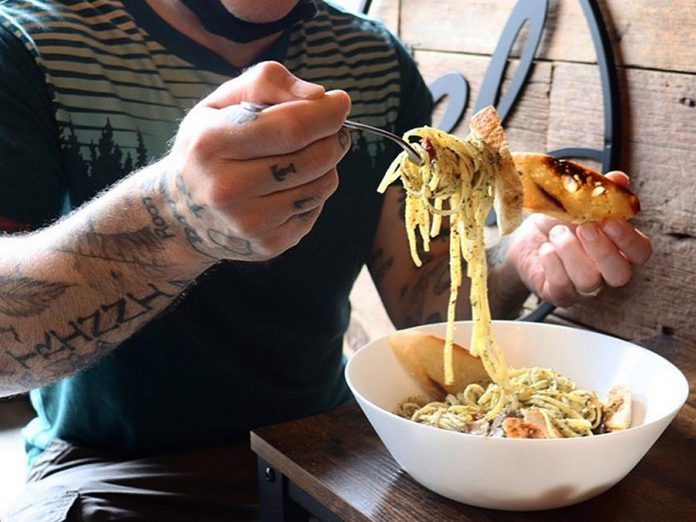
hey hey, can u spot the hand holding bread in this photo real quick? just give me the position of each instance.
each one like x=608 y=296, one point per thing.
x=583 y=240
x=564 y=263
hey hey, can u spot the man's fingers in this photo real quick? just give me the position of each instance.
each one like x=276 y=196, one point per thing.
x=558 y=288
x=289 y=234
x=296 y=202
x=579 y=267
x=267 y=176
x=300 y=201
x=618 y=177
x=632 y=242
x=266 y=83
x=614 y=267
x=544 y=223
x=238 y=134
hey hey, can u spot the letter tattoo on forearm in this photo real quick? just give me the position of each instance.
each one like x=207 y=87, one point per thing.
x=162 y=229
x=79 y=332
x=192 y=236
x=194 y=208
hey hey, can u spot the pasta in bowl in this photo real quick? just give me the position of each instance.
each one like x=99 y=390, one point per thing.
x=513 y=473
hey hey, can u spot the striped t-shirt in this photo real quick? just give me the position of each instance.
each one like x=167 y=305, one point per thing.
x=92 y=90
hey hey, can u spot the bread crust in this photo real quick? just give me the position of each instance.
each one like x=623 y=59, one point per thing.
x=423 y=357
x=486 y=125
x=570 y=191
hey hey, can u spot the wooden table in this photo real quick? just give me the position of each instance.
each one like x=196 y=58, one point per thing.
x=335 y=467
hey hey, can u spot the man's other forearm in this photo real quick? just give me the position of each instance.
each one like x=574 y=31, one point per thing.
x=72 y=292
x=426 y=299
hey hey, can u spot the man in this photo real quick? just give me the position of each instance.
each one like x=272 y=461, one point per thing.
x=144 y=404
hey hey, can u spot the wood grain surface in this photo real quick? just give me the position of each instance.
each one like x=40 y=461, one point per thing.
x=655 y=34
x=561 y=106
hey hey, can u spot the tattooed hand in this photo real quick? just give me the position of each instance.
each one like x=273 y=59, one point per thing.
x=249 y=186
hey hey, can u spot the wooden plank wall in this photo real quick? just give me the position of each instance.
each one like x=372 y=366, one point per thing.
x=654 y=43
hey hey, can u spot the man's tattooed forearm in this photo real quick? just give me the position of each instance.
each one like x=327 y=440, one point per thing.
x=24 y=296
x=20 y=380
x=433 y=280
x=194 y=208
x=83 y=331
x=280 y=173
x=162 y=229
x=9 y=331
x=192 y=236
x=140 y=247
x=228 y=243
x=181 y=283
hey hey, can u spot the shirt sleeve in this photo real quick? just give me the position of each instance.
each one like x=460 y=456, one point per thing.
x=32 y=184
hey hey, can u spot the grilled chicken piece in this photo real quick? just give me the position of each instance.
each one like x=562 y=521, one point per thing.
x=531 y=426
x=617 y=409
x=516 y=428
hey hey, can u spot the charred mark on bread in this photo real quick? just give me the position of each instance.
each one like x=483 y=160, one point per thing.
x=569 y=168
x=555 y=202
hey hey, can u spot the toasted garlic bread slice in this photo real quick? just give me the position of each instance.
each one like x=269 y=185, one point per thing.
x=487 y=126
x=572 y=192
x=423 y=357
x=617 y=409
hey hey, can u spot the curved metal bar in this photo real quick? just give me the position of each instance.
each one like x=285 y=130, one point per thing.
x=364 y=6
x=456 y=88
x=610 y=83
x=534 y=12
x=578 y=153
x=609 y=155
x=539 y=313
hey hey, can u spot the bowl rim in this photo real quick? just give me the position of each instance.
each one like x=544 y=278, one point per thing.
x=629 y=432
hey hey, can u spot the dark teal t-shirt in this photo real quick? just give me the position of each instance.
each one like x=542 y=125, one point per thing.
x=90 y=92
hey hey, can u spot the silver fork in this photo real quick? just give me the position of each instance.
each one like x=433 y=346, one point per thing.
x=413 y=154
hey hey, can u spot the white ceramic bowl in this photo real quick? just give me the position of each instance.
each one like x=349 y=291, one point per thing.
x=519 y=474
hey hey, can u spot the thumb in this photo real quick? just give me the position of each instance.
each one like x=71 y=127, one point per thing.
x=618 y=177
x=266 y=83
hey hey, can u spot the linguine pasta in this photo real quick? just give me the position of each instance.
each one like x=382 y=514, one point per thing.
x=457 y=182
